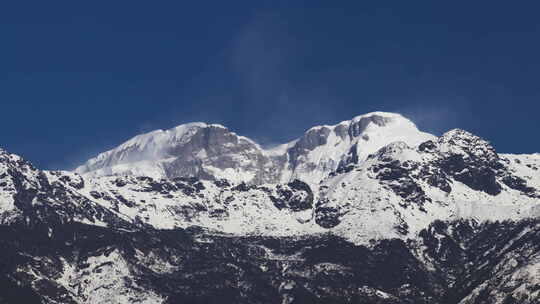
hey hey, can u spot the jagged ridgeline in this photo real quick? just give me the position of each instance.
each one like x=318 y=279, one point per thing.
x=370 y=210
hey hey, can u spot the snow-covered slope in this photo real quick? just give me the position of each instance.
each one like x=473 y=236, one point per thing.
x=400 y=190
x=373 y=177
x=152 y=220
x=394 y=192
x=195 y=149
x=324 y=149
x=34 y=198
x=214 y=152
x=525 y=165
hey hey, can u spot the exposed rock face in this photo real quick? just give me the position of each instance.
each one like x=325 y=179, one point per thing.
x=33 y=198
x=214 y=152
x=470 y=160
x=352 y=213
x=296 y=196
x=193 y=150
x=455 y=262
x=327 y=215
x=298 y=153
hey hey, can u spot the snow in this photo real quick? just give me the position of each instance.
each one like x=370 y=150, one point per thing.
x=368 y=208
x=148 y=147
x=105 y=278
x=370 y=211
x=373 y=212
x=526 y=166
x=145 y=154
x=8 y=210
x=520 y=278
x=327 y=157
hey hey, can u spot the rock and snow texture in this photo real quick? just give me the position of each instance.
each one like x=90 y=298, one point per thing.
x=401 y=189
x=195 y=149
x=147 y=220
x=211 y=151
x=451 y=263
x=373 y=177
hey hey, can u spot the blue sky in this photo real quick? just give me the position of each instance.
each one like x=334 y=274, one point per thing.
x=78 y=78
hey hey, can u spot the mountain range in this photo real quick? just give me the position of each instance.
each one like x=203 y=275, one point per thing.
x=370 y=210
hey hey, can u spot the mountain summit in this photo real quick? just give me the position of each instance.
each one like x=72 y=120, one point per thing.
x=375 y=176
x=370 y=210
x=211 y=151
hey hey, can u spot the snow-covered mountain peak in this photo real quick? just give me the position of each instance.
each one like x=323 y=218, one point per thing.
x=212 y=151
x=365 y=122
x=143 y=147
x=464 y=143
x=326 y=148
x=373 y=188
x=382 y=118
x=194 y=150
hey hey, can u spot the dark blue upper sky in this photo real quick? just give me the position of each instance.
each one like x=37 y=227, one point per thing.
x=79 y=77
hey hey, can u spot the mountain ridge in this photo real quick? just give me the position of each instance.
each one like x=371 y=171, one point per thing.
x=443 y=220
x=457 y=175
x=213 y=151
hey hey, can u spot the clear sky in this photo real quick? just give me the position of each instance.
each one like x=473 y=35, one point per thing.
x=80 y=77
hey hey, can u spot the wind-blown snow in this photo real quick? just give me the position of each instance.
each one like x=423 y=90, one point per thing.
x=150 y=154
x=339 y=164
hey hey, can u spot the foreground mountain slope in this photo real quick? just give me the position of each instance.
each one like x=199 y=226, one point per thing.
x=423 y=219
x=456 y=262
x=32 y=197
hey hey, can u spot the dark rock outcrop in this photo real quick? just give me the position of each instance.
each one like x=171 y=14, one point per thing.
x=296 y=196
